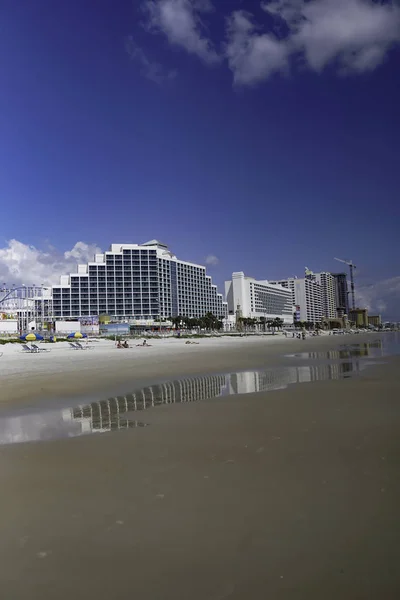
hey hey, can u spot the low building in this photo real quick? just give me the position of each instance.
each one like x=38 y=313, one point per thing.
x=375 y=320
x=258 y=299
x=8 y=326
x=359 y=316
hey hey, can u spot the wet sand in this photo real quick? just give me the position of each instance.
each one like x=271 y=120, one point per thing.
x=106 y=371
x=285 y=494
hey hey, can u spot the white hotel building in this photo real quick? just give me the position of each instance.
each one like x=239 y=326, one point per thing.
x=143 y=282
x=314 y=296
x=258 y=298
x=329 y=292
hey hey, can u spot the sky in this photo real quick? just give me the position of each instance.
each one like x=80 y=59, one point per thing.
x=248 y=135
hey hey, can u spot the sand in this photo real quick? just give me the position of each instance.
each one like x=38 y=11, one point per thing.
x=103 y=370
x=289 y=494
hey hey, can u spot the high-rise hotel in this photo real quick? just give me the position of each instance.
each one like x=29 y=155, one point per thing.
x=139 y=281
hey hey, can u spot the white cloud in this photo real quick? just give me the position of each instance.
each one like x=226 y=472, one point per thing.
x=23 y=264
x=180 y=21
x=381 y=297
x=212 y=260
x=354 y=34
x=151 y=70
x=252 y=56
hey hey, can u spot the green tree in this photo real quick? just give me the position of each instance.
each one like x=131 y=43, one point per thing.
x=278 y=323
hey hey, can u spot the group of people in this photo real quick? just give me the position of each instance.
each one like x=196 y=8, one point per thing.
x=299 y=335
x=123 y=344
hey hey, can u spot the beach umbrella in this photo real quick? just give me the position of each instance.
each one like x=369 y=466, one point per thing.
x=31 y=337
x=53 y=338
x=77 y=335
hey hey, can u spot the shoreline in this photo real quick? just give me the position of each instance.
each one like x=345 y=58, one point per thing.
x=103 y=370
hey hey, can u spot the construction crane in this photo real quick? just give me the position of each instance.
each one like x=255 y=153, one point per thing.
x=351 y=266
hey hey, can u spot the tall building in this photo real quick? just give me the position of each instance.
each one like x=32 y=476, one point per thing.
x=328 y=286
x=258 y=298
x=138 y=281
x=306 y=296
x=342 y=292
x=289 y=285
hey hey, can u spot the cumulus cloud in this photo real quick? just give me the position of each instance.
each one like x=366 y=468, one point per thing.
x=149 y=69
x=23 y=264
x=352 y=36
x=212 y=260
x=356 y=35
x=381 y=297
x=180 y=21
x=252 y=56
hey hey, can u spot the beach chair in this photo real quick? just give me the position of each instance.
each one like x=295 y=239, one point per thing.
x=37 y=349
x=82 y=347
x=26 y=348
x=74 y=346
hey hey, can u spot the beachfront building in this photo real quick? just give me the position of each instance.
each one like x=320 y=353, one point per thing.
x=359 y=316
x=342 y=293
x=375 y=320
x=258 y=298
x=139 y=282
x=306 y=295
x=328 y=287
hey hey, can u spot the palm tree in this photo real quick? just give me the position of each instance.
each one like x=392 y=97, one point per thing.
x=176 y=321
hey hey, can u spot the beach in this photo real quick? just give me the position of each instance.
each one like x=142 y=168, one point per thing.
x=291 y=493
x=103 y=370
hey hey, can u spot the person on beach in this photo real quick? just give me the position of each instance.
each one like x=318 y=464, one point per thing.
x=119 y=345
x=125 y=344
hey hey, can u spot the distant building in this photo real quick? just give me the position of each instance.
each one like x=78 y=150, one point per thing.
x=327 y=285
x=359 y=316
x=139 y=282
x=342 y=292
x=328 y=289
x=258 y=298
x=375 y=320
x=288 y=284
x=306 y=295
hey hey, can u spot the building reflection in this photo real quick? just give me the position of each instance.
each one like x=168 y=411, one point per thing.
x=373 y=350
x=111 y=414
x=117 y=413
x=264 y=381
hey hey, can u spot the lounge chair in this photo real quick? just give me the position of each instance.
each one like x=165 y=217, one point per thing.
x=37 y=349
x=26 y=348
x=74 y=346
x=82 y=347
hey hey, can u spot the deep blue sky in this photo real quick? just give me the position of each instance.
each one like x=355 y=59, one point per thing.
x=268 y=178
